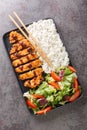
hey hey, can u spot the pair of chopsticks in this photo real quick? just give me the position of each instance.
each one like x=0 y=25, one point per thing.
x=33 y=41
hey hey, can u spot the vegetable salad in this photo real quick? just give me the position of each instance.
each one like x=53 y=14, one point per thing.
x=58 y=88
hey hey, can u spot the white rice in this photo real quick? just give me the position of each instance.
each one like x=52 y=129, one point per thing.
x=45 y=32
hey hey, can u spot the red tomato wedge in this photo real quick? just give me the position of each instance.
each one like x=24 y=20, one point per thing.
x=74 y=96
x=30 y=104
x=55 y=76
x=72 y=69
x=44 y=110
x=55 y=85
x=76 y=84
x=37 y=96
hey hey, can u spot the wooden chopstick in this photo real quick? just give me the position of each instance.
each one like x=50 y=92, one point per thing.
x=41 y=52
x=31 y=39
x=18 y=27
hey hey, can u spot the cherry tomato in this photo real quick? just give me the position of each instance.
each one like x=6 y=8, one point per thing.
x=37 y=96
x=43 y=111
x=55 y=85
x=76 y=84
x=72 y=69
x=74 y=96
x=55 y=76
x=30 y=104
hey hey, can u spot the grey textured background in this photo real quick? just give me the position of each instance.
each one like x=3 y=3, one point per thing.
x=71 y=19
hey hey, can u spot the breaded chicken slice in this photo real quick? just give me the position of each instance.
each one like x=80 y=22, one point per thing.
x=29 y=66
x=22 y=53
x=14 y=36
x=31 y=74
x=33 y=83
x=25 y=59
x=22 y=44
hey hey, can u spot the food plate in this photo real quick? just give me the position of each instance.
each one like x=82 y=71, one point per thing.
x=8 y=47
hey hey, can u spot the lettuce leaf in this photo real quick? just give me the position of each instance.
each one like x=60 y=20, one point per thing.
x=45 y=89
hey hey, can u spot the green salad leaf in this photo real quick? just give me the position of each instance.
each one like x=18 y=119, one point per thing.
x=48 y=78
x=69 y=78
x=67 y=71
x=45 y=89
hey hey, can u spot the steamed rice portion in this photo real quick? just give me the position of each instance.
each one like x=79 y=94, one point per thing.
x=45 y=32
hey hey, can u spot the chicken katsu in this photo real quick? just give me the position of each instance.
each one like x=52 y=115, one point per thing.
x=33 y=83
x=24 y=43
x=29 y=66
x=31 y=74
x=15 y=37
x=25 y=59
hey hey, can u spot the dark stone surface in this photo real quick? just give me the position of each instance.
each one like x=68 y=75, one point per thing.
x=71 y=20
